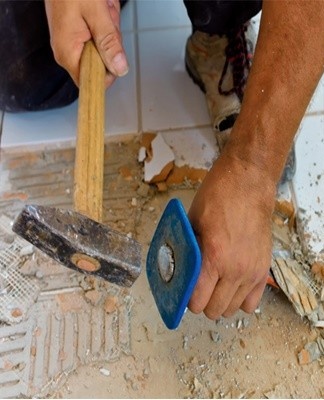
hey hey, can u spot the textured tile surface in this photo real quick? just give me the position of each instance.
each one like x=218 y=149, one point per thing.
x=37 y=353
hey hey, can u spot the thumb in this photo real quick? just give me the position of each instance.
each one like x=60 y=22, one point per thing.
x=104 y=27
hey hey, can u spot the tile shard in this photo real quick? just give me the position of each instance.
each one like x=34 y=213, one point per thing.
x=160 y=165
x=318 y=271
x=141 y=154
x=312 y=351
x=291 y=277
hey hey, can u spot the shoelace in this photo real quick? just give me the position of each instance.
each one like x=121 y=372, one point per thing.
x=239 y=57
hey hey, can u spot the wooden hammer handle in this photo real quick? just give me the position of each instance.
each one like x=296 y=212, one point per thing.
x=89 y=157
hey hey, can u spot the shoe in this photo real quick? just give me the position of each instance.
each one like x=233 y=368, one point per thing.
x=220 y=66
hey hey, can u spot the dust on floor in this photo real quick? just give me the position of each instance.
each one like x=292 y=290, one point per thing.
x=251 y=356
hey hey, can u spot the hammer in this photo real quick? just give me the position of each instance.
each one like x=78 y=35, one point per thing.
x=77 y=239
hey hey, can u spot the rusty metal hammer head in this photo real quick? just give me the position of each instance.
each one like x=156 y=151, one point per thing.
x=80 y=243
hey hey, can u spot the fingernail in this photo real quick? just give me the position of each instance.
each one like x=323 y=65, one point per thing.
x=120 y=64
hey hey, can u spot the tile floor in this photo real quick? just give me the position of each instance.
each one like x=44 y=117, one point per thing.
x=158 y=95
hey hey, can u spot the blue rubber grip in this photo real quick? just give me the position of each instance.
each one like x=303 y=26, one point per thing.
x=174 y=231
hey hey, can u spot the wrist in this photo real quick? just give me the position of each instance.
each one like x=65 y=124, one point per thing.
x=260 y=146
x=253 y=177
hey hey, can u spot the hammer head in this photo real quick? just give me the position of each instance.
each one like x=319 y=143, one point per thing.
x=80 y=243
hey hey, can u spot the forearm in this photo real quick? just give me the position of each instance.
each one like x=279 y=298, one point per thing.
x=288 y=63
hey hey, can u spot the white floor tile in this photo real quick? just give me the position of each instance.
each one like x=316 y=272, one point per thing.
x=127 y=17
x=32 y=128
x=60 y=125
x=308 y=183
x=169 y=97
x=256 y=20
x=193 y=147
x=154 y=14
x=284 y=192
x=121 y=98
x=317 y=103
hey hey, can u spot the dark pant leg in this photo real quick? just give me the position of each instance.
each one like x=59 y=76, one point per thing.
x=220 y=16
x=30 y=79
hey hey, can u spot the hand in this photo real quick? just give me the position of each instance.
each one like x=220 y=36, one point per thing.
x=72 y=23
x=231 y=215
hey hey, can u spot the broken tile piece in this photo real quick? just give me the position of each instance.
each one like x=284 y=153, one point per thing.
x=110 y=304
x=93 y=296
x=141 y=154
x=146 y=140
x=285 y=208
x=311 y=352
x=126 y=173
x=180 y=174
x=69 y=302
x=318 y=271
x=158 y=168
x=162 y=187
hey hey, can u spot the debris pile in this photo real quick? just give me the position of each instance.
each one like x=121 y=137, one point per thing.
x=312 y=351
x=17 y=292
x=53 y=319
x=300 y=278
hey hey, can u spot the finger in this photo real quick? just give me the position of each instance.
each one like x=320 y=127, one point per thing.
x=204 y=288
x=107 y=38
x=221 y=298
x=109 y=80
x=244 y=292
x=114 y=7
x=252 y=301
x=68 y=33
x=237 y=300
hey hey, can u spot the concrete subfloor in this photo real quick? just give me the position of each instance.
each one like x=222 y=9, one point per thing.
x=246 y=356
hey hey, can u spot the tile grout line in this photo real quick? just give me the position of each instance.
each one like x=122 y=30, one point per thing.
x=161 y=28
x=314 y=114
x=138 y=73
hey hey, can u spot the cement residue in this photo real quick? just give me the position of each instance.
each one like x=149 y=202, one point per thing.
x=246 y=356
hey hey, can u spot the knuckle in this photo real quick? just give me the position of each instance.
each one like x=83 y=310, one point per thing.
x=249 y=306
x=109 y=41
x=256 y=276
x=211 y=314
x=214 y=310
x=239 y=271
x=195 y=307
x=249 y=309
x=58 y=52
x=229 y=313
